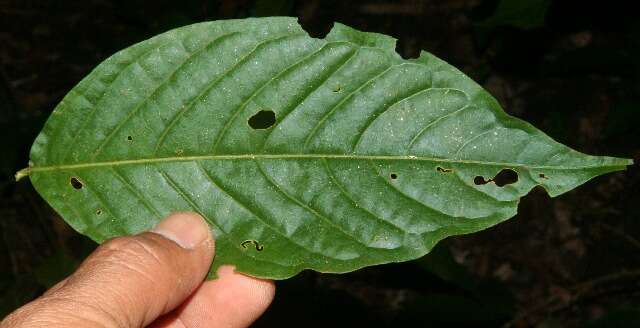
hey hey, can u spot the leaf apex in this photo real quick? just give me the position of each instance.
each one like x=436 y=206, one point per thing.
x=619 y=162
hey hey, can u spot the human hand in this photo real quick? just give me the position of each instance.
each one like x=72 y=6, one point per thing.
x=151 y=279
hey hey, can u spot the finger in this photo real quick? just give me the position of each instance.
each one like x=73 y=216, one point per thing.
x=232 y=300
x=130 y=281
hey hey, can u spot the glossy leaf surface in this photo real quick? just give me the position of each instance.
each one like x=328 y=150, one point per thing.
x=325 y=154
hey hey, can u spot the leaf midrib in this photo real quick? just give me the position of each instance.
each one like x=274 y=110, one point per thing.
x=143 y=161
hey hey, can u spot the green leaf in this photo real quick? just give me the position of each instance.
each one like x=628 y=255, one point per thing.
x=301 y=153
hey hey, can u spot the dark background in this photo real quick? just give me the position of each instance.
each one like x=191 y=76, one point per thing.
x=571 y=68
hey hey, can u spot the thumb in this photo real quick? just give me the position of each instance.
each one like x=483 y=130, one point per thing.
x=130 y=281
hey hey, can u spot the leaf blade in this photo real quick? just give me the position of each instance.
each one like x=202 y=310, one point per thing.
x=372 y=159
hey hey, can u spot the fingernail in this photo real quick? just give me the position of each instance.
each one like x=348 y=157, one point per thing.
x=186 y=229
